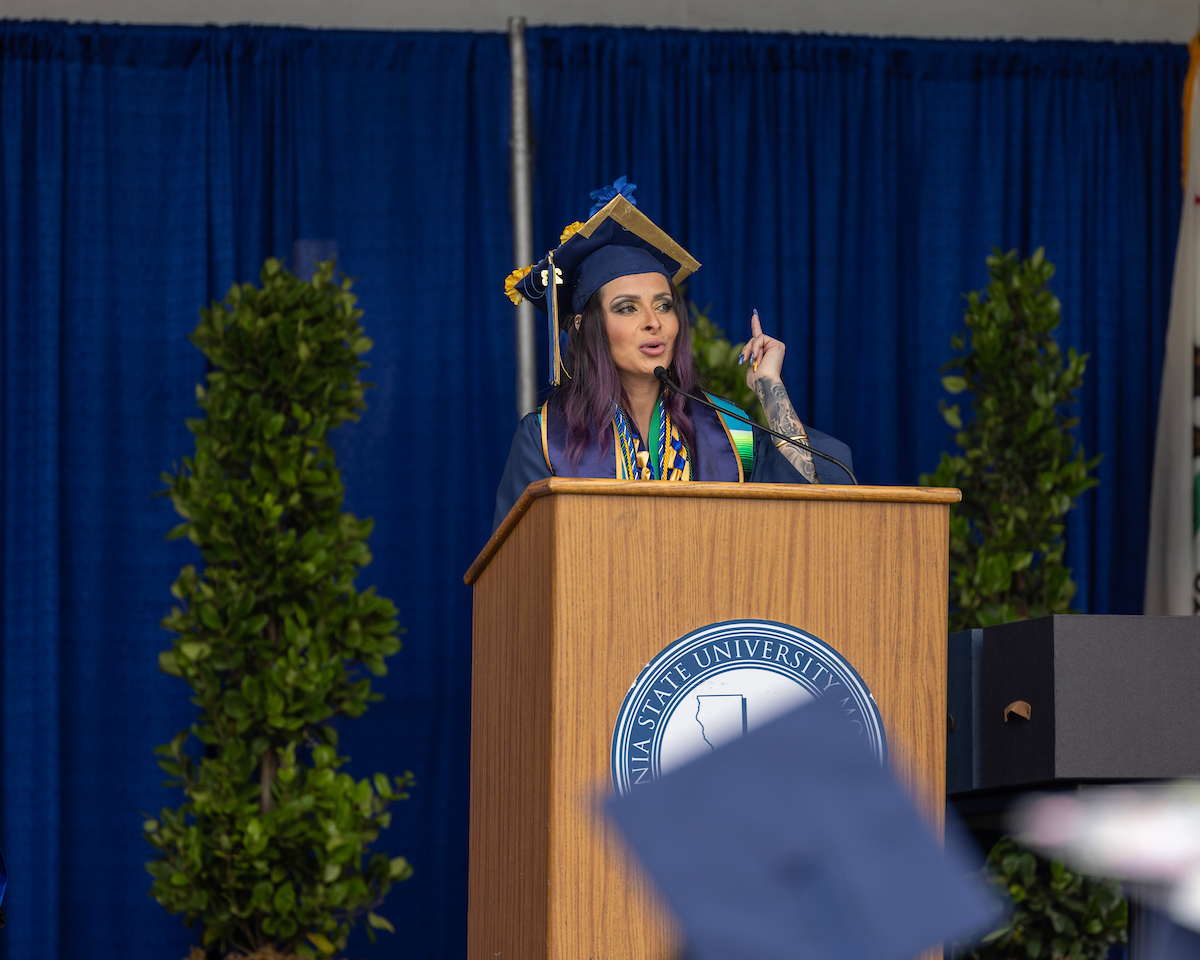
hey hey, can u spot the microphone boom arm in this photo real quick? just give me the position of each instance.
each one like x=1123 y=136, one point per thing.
x=665 y=379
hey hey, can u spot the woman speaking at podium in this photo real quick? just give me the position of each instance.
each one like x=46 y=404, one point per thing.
x=611 y=285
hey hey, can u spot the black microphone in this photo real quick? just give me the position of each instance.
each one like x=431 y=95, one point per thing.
x=665 y=379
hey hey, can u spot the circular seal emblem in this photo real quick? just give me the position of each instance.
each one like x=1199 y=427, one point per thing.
x=720 y=682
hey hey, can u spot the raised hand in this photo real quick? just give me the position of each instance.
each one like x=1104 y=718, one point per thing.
x=762 y=354
x=765 y=358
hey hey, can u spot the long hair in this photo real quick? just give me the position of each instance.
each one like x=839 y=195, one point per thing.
x=590 y=395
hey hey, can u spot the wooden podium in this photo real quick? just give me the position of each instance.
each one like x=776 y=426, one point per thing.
x=583 y=584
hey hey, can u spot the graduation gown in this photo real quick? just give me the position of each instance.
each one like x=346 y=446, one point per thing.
x=713 y=458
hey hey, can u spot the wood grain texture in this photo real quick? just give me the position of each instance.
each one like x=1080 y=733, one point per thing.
x=631 y=574
x=704 y=490
x=511 y=747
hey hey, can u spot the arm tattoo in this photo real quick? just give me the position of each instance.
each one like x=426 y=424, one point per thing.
x=781 y=417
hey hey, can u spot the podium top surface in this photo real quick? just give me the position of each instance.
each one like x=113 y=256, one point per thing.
x=702 y=489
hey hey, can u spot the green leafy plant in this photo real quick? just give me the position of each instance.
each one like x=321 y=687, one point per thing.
x=1056 y=914
x=1019 y=467
x=717 y=359
x=270 y=847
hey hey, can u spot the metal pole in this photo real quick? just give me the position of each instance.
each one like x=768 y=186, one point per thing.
x=521 y=197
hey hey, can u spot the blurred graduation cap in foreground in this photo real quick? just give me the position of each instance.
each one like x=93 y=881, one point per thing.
x=1145 y=834
x=793 y=842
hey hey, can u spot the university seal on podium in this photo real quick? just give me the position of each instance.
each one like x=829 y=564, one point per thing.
x=719 y=682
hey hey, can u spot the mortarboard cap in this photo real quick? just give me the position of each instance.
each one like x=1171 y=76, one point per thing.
x=792 y=842
x=617 y=240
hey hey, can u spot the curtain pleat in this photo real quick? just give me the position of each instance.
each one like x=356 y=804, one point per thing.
x=34 y=102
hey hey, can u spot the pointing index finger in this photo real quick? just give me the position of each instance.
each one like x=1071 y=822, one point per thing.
x=755 y=326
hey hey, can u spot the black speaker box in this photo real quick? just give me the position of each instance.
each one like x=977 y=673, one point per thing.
x=1107 y=698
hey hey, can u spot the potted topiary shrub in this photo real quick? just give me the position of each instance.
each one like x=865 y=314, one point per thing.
x=1057 y=914
x=270 y=850
x=1019 y=467
x=1021 y=471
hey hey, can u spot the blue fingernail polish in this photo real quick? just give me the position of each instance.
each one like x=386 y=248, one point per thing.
x=741 y=359
x=756 y=311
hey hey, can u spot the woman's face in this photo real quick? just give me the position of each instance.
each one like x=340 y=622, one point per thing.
x=639 y=315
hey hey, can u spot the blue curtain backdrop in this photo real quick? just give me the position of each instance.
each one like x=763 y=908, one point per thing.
x=143 y=171
x=849 y=188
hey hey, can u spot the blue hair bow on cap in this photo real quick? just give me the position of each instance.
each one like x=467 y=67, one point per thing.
x=618 y=240
x=621 y=188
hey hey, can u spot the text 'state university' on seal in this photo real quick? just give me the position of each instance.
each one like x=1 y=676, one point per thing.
x=723 y=680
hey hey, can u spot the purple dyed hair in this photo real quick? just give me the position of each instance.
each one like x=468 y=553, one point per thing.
x=594 y=389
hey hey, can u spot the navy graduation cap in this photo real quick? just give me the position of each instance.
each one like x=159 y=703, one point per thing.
x=616 y=241
x=793 y=842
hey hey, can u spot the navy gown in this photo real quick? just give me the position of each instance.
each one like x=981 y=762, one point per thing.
x=527 y=464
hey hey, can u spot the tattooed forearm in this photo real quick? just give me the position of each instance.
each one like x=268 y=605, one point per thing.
x=781 y=417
